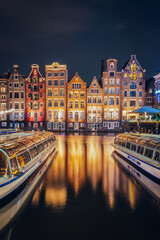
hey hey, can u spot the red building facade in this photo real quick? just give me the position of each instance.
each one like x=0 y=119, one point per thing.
x=35 y=99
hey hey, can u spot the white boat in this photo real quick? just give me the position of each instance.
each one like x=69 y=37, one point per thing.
x=11 y=211
x=141 y=150
x=152 y=188
x=20 y=160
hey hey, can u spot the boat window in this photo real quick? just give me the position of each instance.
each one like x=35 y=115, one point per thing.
x=45 y=144
x=157 y=156
x=33 y=152
x=152 y=143
x=123 y=143
x=133 y=148
x=128 y=145
x=14 y=165
x=4 y=169
x=23 y=159
x=40 y=147
x=143 y=142
x=140 y=150
x=115 y=140
x=149 y=153
x=158 y=146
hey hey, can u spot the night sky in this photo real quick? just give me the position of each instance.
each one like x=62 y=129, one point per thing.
x=79 y=34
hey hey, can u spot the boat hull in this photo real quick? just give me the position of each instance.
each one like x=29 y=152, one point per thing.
x=151 y=170
x=10 y=189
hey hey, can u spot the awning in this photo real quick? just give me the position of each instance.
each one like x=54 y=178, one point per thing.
x=146 y=109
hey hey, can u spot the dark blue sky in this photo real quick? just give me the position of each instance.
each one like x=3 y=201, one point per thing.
x=79 y=34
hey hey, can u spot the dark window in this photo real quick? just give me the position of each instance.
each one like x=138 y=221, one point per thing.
x=132 y=103
x=149 y=153
x=128 y=145
x=133 y=148
x=40 y=147
x=55 y=82
x=41 y=86
x=33 y=152
x=16 y=95
x=61 y=74
x=157 y=156
x=55 y=74
x=140 y=83
x=10 y=94
x=111 y=74
x=45 y=145
x=22 y=94
x=132 y=85
x=35 y=88
x=125 y=93
x=132 y=93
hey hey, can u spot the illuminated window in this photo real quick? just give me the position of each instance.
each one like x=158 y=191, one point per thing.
x=49 y=93
x=49 y=114
x=49 y=103
x=132 y=85
x=117 y=114
x=35 y=106
x=81 y=94
x=61 y=102
x=111 y=66
x=70 y=104
x=89 y=119
x=61 y=114
x=70 y=94
x=99 y=119
x=82 y=104
x=16 y=116
x=76 y=86
x=140 y=93
x=94 y=99
x=99 y=110
x=141 y=75
x=150 y=90
x=76 y=104
x=125 y=75
x=111 y=101
x=125 y=102
x=140 y=103
x=94 y=110
x=105 y=101
x=55 y=102
x=22 y=116
x=111 y=81
x=125 y=83
x=70 y=115
x=55 y=114
x=49 y=125
x=117 y=90
x=89 y=109
x=81 y=115
x=105 y=113
x=105 y=91
x=62 y=92
x=89 y=100
x=94 y=119
x=3 y=105
x=117 y=82
x=76 y=116
x=105 y=82
x=55 y=92
x=111 y=114
x=76 y=95
x=99 y=100
x=111 y=90
x=133 y=67
x=133 y=76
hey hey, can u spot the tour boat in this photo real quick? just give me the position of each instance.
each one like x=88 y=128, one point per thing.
x=143 y=151
x=21 y=159
x=10 y=212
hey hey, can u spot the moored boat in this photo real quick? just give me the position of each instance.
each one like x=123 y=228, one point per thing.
x=20 y=160
x=141 y=150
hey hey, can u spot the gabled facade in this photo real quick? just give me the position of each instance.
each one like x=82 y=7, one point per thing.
x=16 y=99
x=111 y=83
x=157 y=90
x=94 y=106
x=76 y=104
x=56 y=80
x=133 y=87
x=3 y=102
x=35 y=99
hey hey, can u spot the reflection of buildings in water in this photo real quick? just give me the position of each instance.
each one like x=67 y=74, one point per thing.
x=81 y=157
x=94 y=160
x=76 y=171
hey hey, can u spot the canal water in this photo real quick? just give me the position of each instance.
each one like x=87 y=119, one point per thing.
x=87 y=194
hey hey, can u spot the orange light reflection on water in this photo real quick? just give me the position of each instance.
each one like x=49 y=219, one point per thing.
x=80 y=158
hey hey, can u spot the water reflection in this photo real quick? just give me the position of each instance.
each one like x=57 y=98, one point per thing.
x=81 y=159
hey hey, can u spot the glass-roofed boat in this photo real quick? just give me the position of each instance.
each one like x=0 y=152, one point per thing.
x=141 y=150
x=20 y=159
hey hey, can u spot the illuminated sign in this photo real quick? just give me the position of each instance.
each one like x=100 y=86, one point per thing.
x=157 y=91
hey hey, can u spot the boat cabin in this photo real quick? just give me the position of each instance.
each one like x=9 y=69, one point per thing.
x=148 y=147
x=15 y=155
